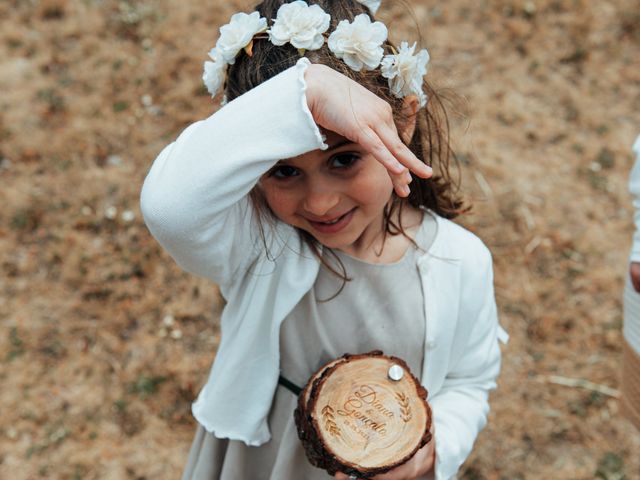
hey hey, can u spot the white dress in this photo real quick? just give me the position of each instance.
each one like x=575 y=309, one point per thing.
x=380 y=308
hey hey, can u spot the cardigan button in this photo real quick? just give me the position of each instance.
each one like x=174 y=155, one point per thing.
x=430 y=344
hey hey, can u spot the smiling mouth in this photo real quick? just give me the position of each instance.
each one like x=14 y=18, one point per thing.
x=334 y=225
x=332 y=221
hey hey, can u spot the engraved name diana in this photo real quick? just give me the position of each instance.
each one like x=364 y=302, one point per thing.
x=365 y=396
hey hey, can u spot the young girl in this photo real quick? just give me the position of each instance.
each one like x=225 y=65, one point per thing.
x=308 y=199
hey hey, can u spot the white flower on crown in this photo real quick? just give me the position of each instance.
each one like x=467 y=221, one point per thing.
x=301 y=25
x=214 y=72
x=405 y=72
x=238 y=33
x=372 y=5
x=359 y=44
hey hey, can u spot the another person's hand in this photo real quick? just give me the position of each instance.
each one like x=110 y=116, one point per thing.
x=420 y=464
x=634 y=273
x=342 y=105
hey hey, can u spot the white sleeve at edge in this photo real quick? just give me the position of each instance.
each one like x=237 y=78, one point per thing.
x=634 y=188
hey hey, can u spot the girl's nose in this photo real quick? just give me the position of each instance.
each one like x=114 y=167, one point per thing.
x=320 y=201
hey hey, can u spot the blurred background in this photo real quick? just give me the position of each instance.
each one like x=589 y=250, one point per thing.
x=104 y=342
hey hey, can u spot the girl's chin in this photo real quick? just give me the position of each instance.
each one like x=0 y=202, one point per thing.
x=335 y=242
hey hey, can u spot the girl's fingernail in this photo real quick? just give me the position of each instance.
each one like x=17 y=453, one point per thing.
x=406 y=190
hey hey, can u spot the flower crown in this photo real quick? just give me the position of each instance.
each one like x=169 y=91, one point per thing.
x=358 y=44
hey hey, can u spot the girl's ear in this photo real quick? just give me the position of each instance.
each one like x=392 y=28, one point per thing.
x=409 y=111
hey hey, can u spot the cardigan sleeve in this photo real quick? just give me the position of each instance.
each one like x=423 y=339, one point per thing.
x=634 y=188
x=195 y=197
x=461 y=406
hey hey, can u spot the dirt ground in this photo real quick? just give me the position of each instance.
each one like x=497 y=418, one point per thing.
x=104 y=342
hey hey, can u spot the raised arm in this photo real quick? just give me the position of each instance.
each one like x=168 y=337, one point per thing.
x=194 y=199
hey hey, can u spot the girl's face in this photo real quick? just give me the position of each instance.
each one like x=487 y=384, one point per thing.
x=337 y=195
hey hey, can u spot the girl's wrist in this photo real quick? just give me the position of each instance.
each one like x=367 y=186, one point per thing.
x=313 y=77
x=310 y=75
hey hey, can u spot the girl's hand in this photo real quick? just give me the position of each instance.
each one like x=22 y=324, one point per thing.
x=634 y=272
x=342 y=105
x=420 y=464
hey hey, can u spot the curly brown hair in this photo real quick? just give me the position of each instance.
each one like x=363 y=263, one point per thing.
x=430 y=141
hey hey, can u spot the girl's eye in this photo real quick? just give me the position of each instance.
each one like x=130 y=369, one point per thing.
x=284 y=171
x=344 y=161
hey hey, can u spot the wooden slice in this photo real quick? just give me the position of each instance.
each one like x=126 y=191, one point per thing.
x=363 y=415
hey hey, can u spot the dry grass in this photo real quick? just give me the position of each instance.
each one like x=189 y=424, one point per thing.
x=104 y=341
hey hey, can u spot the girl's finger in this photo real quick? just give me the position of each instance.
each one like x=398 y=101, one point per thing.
x=402 y=153
x=374 y=144
x=404 y=191
x=401 y=183
x=400 y=175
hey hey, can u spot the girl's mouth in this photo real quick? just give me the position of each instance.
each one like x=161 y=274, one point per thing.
x=334 y=225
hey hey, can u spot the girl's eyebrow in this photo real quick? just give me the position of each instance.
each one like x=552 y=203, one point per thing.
x=341 y=143
x=344 y=141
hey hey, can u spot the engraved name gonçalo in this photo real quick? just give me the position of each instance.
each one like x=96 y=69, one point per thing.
x=365 y=398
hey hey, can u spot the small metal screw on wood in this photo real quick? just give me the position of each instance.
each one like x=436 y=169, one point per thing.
x=396 y=373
